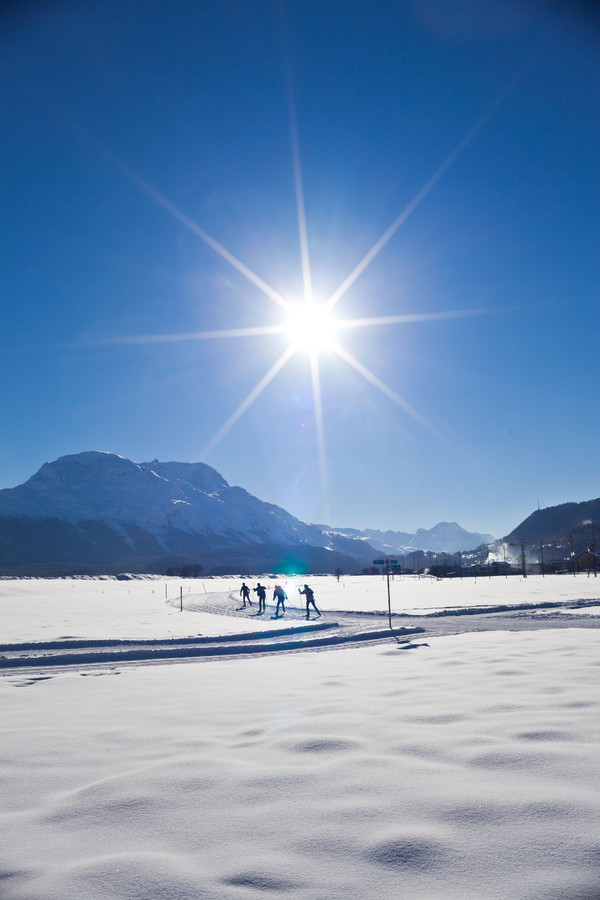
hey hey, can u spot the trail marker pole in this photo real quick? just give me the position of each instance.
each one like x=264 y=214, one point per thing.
x=180 y=599
x=387 y=573
x=386 y=562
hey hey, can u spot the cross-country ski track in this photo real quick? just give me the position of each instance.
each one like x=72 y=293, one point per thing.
x=291 y=633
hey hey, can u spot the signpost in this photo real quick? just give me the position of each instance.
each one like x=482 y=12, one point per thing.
x=387 y=563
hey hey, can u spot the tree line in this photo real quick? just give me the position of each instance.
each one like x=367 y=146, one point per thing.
x=192 y=570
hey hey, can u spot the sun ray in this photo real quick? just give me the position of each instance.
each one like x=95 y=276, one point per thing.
x=187 y=336
x=260 y=330
x=204 y=236
x=427 y=187
x=318 y=410
x=161 y=200
x=407 y=318
x=296 y=162
x=387 y=391
x=247 y=403
x=301 y=211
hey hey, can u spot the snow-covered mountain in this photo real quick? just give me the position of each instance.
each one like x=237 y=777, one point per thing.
x=445 y=537
x=99 y=509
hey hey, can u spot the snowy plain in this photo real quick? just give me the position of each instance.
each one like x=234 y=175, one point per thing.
x=462 y=763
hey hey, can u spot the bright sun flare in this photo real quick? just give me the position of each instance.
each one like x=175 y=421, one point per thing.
x=311 y=327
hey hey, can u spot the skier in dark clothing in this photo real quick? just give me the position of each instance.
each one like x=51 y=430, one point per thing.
x=310 y=598
x=262 y=596
x=280 y=595
x=245 y=592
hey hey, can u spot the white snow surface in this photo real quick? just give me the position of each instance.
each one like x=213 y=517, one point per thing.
x=465 y=767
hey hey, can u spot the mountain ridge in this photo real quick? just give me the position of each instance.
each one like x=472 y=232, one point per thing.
x=113 y=511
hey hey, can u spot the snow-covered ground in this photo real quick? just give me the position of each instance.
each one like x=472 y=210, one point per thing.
x=39 y=609
x=466 y=767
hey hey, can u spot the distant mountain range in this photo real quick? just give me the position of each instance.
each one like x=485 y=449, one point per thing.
x=445 y=537
x=97 y=512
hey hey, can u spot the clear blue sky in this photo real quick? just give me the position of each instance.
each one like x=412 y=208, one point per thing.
x=134 y=134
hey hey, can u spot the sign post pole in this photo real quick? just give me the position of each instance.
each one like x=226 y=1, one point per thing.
x=387 y=562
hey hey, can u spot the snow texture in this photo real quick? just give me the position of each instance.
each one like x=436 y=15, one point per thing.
x=465 y=767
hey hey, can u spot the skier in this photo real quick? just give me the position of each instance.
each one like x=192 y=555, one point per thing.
x=262 y=596
x=310 y=598
x=245 y=592
x=280 y=595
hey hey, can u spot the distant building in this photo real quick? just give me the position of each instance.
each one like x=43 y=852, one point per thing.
x=587 y=561
x=473 y=570
x=558 y=565
x=497 y=567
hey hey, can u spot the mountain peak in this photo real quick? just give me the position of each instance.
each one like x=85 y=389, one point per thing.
x=199 y=475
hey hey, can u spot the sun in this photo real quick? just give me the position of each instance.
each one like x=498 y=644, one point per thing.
x=311 y=327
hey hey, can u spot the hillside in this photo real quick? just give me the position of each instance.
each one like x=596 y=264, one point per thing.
x=559 y=521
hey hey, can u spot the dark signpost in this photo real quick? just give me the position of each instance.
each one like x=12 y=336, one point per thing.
x=387 y=563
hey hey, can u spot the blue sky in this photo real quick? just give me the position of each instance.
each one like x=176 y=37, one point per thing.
x=146 y=145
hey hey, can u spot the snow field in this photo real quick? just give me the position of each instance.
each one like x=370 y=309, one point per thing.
x=464 y=769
